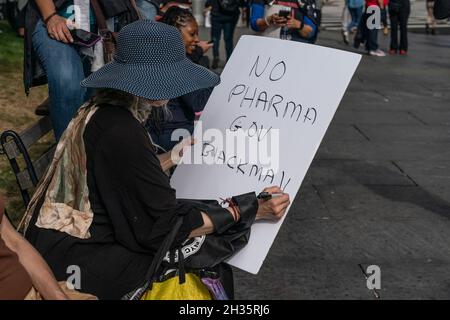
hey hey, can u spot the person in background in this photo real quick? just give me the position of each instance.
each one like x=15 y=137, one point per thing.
x=23 y=272
x=297 y=26
x=371 y=41
x=224 y=16
x=51 y=57
x=345 y=20
x=430 y=26
x=399 y=13
x=149 y=8
x=384 y=19
x=356 y=8
x=182 y=110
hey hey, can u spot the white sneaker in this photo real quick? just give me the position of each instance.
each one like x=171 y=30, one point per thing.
x=377 y=53
x=345 y=37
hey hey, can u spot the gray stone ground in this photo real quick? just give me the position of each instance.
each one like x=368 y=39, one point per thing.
x=378 y=191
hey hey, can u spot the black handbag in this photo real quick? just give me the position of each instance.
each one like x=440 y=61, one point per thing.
x=138 y=292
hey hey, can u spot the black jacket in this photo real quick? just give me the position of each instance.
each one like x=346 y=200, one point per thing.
x=134 y=209
x=217 y=11
x=33 y=73
x=441 y=9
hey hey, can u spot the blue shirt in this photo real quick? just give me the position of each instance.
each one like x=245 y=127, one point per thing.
x=355 y=3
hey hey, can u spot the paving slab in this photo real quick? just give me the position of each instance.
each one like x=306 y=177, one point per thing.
x=420 y=150
x=325 y=255
x=307 y=205
x=350 y=150
x=380 y=117
x=337 y=132
x=372 y=202
x=405 y=133
x=427 y=173
x=311 y=280
x=434 y=117
x=414 y=280
x=355 y=172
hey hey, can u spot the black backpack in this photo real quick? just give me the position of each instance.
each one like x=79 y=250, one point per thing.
x=229 y=6
x=308 y=8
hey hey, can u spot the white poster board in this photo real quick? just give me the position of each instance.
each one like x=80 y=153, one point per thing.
x=290 y=89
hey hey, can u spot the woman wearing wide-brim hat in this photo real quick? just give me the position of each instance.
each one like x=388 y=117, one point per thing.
x=105 y=204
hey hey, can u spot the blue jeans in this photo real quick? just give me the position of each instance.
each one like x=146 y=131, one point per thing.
x=356 y=14
x=147 y=9
x=372 y=40
x=65 y=68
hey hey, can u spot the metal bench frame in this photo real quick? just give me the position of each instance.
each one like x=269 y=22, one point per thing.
x=16 y=145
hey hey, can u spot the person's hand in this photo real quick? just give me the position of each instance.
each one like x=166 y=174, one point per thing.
x=178 y=150
x=293 y=23
x=276 y=20
x=274 y=208
x=205 y=45
x=57 y=29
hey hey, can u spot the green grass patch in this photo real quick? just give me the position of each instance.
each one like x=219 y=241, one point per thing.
x=11 y=48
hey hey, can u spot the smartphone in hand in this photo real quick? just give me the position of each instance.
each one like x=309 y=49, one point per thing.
x=84 y=38
x=284 y=12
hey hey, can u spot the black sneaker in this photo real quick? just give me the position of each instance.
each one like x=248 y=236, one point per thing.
x=215 y=63
x=43 y=109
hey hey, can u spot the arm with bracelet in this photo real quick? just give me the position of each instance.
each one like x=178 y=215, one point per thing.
x=56 y=25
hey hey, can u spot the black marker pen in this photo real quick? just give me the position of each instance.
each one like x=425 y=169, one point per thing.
x=267 y=196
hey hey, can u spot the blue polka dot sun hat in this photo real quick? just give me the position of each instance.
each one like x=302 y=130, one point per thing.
x=150 y=62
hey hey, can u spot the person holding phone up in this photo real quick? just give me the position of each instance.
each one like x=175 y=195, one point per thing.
x=290 y=19
x=53 y=56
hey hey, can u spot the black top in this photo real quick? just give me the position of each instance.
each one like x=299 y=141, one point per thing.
x=441 y=9
x=134 y=208
x=216 y=9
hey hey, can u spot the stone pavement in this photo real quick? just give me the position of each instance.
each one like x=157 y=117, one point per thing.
x=378 y=191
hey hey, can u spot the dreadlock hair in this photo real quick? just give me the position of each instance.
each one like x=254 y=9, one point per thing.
x=177 y=17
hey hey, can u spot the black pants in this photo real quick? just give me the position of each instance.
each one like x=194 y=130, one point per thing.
x=228 y=24
x=399 y=17
x=372 y=40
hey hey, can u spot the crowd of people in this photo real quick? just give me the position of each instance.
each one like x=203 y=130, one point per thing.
x=355 y=17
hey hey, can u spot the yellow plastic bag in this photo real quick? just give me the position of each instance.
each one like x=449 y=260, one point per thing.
x=171 y=289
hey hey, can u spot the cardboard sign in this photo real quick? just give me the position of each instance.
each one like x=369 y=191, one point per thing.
x=263 y=125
